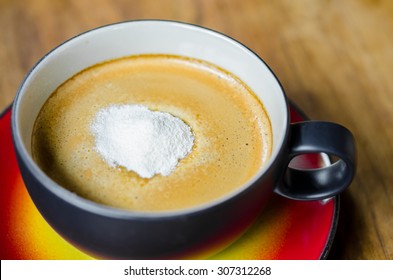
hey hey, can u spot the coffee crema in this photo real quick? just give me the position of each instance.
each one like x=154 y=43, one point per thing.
x=233 y=135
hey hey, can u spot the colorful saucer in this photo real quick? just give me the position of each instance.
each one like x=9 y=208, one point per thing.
x=287 y=229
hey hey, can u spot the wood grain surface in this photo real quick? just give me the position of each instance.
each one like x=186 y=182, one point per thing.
x=334 y=59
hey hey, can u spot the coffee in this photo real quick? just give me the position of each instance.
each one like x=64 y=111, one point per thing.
x=233 y=136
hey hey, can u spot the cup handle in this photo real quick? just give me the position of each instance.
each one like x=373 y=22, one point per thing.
x=315 y=184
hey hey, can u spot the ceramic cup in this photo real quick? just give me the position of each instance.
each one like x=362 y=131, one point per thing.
x=196 y=232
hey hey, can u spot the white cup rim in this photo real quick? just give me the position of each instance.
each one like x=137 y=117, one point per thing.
x=104 y=210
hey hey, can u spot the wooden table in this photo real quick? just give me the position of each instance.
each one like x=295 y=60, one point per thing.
x=334 y=59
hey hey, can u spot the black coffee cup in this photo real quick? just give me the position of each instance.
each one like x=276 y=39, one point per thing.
x=195 y=232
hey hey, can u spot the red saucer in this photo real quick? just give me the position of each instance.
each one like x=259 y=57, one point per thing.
x=287 y=229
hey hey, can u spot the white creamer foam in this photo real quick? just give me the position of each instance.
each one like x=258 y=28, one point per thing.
x=140 y=140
